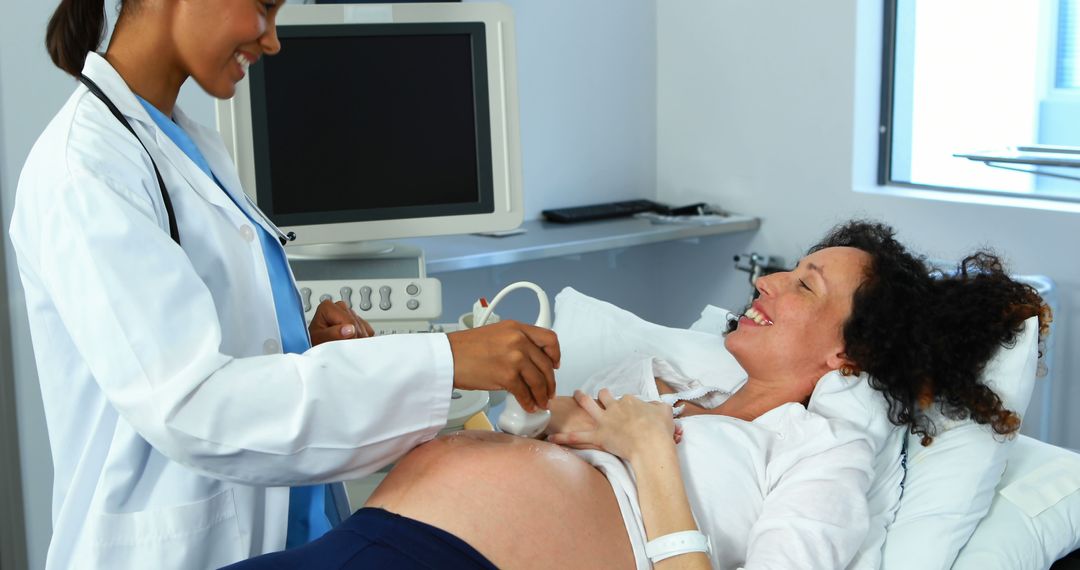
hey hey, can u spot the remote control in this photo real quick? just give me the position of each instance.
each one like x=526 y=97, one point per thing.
x=601 y=211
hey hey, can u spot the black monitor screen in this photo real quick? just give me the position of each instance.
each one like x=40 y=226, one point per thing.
x=361 y=122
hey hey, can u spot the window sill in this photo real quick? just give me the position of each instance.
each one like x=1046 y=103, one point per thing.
x=964 y=196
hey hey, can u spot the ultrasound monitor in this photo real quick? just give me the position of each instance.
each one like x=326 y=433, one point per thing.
x=377 y=122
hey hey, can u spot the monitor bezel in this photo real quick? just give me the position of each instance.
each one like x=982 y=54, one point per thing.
x=234 y=117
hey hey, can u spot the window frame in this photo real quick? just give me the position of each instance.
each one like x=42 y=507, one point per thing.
x=888 y=80
x=887 y=112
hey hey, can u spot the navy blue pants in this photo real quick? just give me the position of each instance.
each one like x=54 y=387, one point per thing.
x=374 y=538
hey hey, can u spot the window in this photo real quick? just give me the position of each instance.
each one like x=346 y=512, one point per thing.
x=1067 y=70
x=965 y=76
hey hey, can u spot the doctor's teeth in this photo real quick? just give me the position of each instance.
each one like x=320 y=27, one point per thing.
x=243 y=61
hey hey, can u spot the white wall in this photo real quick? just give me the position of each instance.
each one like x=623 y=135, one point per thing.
x=31 y=90
x=587 y=78
x=770 y=108
x=587 y=82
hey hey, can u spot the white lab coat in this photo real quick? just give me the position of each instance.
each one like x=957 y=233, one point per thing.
x=174 y=419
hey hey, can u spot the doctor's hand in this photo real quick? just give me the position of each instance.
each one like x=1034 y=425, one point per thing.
x=507 y=355
x=336 y=321
x=627 y=427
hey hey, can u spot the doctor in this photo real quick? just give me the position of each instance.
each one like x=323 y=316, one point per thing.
x=192 y=423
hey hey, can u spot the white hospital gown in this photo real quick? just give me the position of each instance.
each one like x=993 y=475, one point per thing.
x=787 y=490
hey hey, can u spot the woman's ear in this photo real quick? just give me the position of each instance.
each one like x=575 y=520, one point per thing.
x=840 y=361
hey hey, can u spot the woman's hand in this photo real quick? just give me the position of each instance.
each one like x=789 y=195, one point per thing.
x=336 y=321
x=626 y=427
x=567 y=416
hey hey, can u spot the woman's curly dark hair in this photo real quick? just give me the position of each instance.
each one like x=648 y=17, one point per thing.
x=925 y=336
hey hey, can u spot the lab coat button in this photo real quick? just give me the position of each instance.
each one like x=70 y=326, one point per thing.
x=247 y=232
x=271 y=346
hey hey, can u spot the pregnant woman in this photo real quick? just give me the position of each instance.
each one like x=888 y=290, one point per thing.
x=768 y=481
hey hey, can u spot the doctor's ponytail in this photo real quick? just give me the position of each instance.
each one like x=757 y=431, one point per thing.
x=75 y=29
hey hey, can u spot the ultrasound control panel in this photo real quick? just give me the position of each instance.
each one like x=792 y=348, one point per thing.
x=377 y=300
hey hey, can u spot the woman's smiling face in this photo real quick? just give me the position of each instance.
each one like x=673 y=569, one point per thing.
x=794 y=329
x=218 y=39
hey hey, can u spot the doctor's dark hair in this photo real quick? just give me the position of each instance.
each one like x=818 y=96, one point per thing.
x=75 y=29
x=924 y=336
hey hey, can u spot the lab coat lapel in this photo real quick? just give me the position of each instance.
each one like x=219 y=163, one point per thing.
x=196 y=178
x=209 y=142
x=99 y=70
x=114 y=86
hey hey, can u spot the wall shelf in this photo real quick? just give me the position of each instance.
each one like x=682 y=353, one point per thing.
x=543 y=240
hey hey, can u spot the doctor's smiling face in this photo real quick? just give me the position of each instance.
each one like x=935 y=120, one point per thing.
x=216 y=40
x=794 y=329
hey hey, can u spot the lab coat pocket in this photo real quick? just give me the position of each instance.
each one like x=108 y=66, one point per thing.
x=203 y=534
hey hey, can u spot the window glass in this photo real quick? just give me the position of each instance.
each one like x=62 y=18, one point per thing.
x=967 y=76
x=1068 y=64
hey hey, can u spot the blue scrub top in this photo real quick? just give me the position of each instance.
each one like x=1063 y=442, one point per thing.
x=308 y=506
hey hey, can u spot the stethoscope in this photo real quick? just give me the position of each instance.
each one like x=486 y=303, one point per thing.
x=174 y=231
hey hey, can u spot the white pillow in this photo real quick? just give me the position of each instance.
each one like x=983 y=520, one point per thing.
x=1034 y=519
x=950 y=484
x=594 y=335
x=713 y=320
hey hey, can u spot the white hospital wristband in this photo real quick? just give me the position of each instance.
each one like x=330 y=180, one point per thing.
x=677 y=543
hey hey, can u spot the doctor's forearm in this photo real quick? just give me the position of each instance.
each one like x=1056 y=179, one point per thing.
x=308 y=418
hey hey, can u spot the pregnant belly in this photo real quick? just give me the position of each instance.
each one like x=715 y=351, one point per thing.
x=522 y=503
